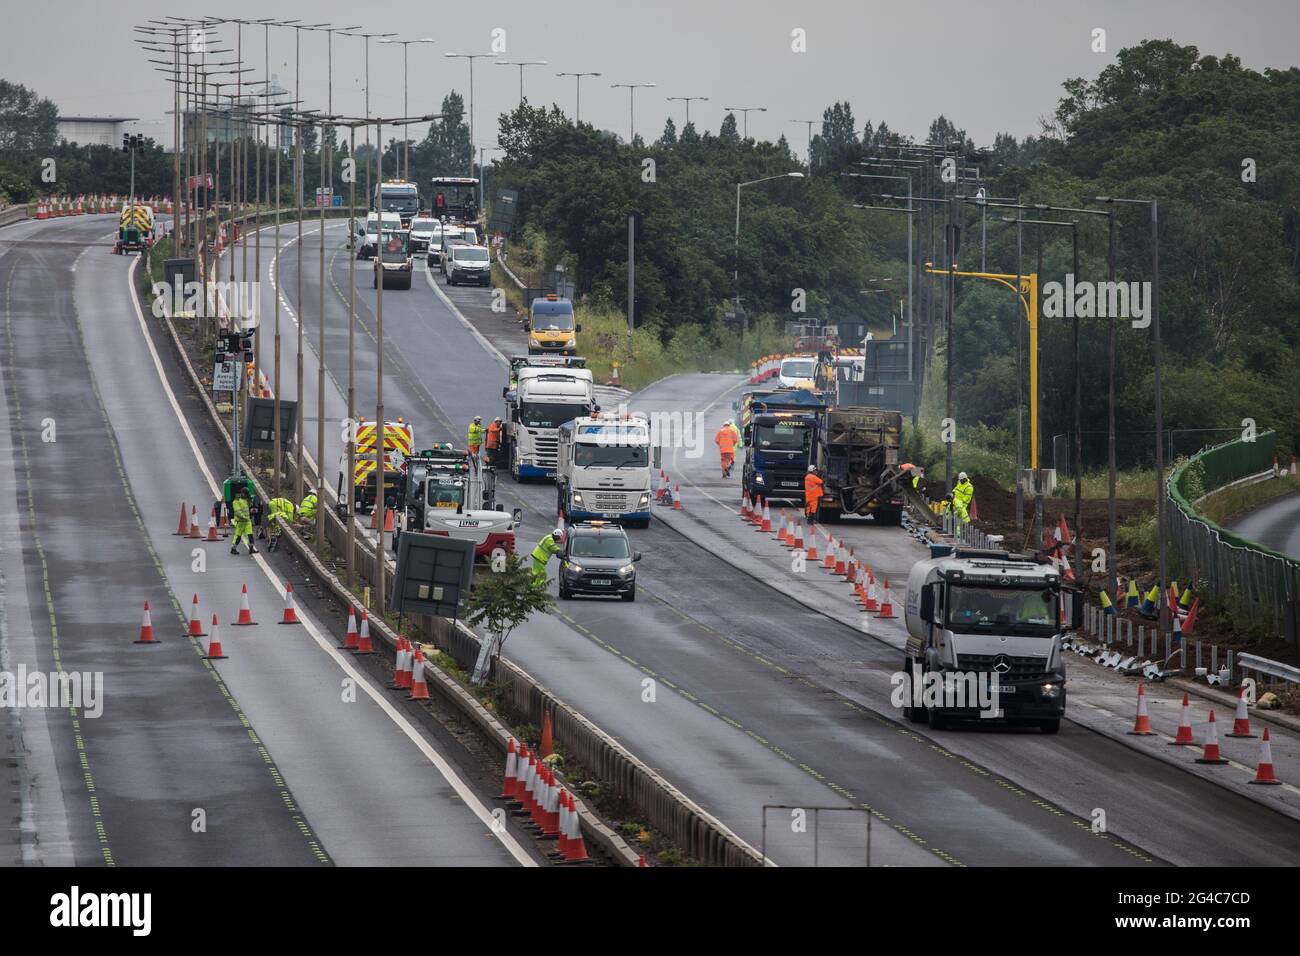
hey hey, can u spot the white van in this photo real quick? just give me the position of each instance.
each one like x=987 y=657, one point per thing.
x=797 y=371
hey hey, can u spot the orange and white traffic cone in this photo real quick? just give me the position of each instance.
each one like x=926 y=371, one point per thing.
x=290 y=611
x=838 y=568
x=812 y=543
x=797 y=541
x=512 y=764
x=1212 y=754
x=562 y=842
x=1264 y=772
x=364 y=644
x=196 y=625
x=887 y=605
x=374 y=518
x=245 y=618
x=1241 y=725
x=677 y=498
x=215 y=653
x=765 y=523
x=829 y=560
x=577 y=847
x=1142 y=726
x=352 y=640
x=183 y=528
x=195 y=532
x=146 y=628
x=399 y=665
x=744 y=506
x=212 y=530
x=872 y=602
x=419 y=688
x=521 y=776
x=551 y=824
x=1184 y=736
x=388 y=520
x=782 y=528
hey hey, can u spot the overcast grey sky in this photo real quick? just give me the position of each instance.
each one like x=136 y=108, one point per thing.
x=990 y=66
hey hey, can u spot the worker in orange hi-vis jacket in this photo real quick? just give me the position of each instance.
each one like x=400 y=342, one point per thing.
x=725 y=439
x=813 y=489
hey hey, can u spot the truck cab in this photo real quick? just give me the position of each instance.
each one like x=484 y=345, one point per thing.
x=399 y=197
x=603 y=469
x=551 y=327
x=979 y=621
x=780 y=430
x=447 y=491
x=541 y=398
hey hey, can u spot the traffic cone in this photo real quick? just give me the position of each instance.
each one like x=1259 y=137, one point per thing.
x=551 y=818
x=399 y=666
x=641 y=862
x=1142 y=726
x=364 y=644
x=562 y=843
x=872 y=602
x=663 y=487
x=577 y=846
x=512 y=763
x=196 y=625
x=245 y=614
x=812 y=543
x=1184 y=737
x=887 y=605
x=744 y=506
x=1133 y=598
x=521 y=776
x=829 y=560
x=1106 y=606
x=195 y=533
x=212 y=530
x=1190 y=621
x=223 y=522
x=548 y=736
x=1264 y=773
x=146 y=628
x=215 y=653
x=184 y=528
x=1148 y=606
x=782 y=531
x=797 y=543
x=1211 y=754
x=388 y=520
x=839 y=559
x=1241 y=724
x=351 y=640
x=850 y=567
x=677 y=498
x=766 y=523
x=290 y=612
x=419 y=688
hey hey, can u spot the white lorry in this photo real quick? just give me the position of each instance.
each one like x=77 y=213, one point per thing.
x=603 y=469
x=541 y=397
x=447 y=491
x=980 y=620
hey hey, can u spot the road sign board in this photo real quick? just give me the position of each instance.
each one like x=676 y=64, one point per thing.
x=226 y=375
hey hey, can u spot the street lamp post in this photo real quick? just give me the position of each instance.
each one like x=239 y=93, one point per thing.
x=482 y=171
x=471 y=57
x=687 y=100
x=735 y=275
x=521 y=64
x=809 y=124
x=577 y=86
x=631 y=104
x=406 y=140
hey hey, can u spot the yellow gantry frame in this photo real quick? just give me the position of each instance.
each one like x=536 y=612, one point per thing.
x=1028 y=295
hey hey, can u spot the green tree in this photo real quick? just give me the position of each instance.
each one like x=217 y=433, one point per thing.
x=500 y=602
x=28 y=122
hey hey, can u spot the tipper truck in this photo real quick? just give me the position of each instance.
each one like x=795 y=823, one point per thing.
x=779 y=428
x=979 y=620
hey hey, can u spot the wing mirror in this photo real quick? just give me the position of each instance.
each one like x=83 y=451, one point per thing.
x=636 y=556
x=517 y=516
x=927 y=604
x=577 y=328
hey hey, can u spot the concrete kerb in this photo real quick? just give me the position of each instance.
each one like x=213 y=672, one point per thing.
x=697 y=832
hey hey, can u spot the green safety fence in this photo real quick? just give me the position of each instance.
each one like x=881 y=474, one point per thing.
x=1264 y=582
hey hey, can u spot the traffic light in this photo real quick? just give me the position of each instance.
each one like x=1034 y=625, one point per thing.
x=130 y=142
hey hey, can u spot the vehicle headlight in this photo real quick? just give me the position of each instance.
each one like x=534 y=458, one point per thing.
x=1051 y=690
x=577 y=497
x=644 y=500
x=758 y=479
x=575 y=567
x=626 y=570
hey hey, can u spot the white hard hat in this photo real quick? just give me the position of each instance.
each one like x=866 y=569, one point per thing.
x=558 y=532
x=812 y=467
x=961 y=476
x=478 y=418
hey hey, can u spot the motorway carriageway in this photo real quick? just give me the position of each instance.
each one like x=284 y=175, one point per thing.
x=253 y=760
x=760 y=699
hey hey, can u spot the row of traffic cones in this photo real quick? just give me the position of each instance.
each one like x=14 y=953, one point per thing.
x=1264 y=773
x=531 y=787
x=195 y=626
x=388 y=520
x=666 y=492
x=189 y=526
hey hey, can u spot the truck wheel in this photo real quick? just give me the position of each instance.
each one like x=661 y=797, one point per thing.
x=915 y=714
x=935 y=720
x=1050 y=726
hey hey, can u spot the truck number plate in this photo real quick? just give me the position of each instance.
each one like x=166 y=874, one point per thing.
x=789 y=484
x=1004 y=689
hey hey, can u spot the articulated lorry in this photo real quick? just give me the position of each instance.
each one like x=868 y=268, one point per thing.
x=541 y=397
x=603 y=469
x=855 y=451
x=447 y=491
x=976 y=618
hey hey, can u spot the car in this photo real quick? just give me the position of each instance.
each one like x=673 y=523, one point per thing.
x=466 y=263
x=423 y=232
x=598 y=559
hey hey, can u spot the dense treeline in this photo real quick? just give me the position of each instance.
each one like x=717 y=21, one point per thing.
x=1217 y=144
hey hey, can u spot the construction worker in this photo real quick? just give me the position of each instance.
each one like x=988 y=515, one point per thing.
x=277 y=508
x=813 y=489
x=962 y=493
x=307 y=509
x=475 y=437
x=725 y=439
x=549 y=546
x=243 y=523
x=493 y=438
x=740 y=442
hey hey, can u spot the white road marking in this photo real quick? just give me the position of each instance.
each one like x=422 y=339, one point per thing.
x=345 y=663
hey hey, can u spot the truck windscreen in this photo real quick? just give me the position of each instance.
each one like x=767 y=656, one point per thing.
x=445 y=493
x=783 y=436
x=545 y=415
x=610 y=456
x=400 y=200
x=975 y=610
